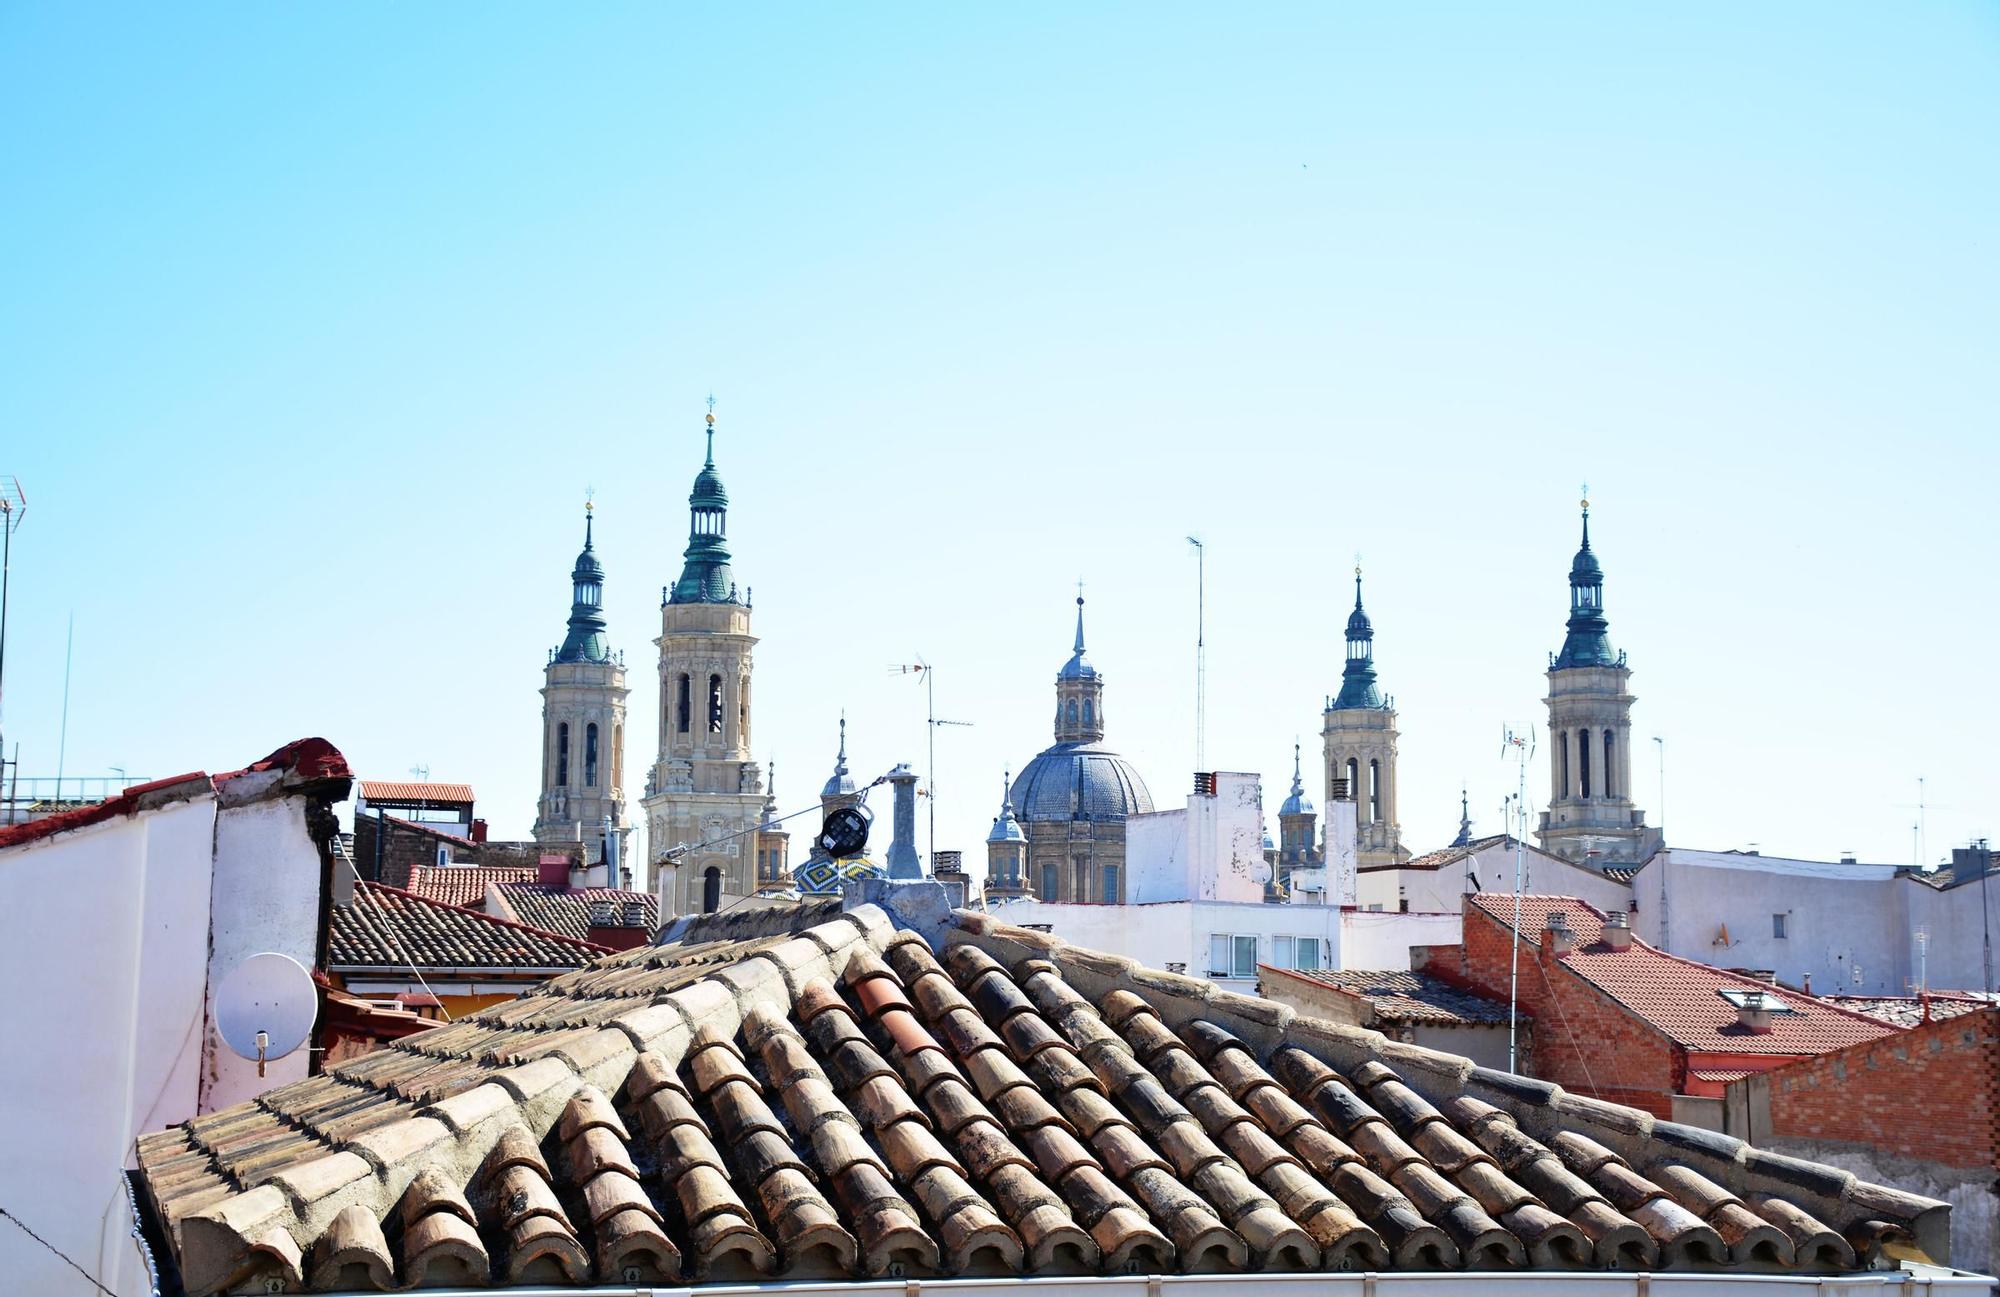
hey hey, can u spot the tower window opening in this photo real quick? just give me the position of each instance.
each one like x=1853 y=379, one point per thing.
x=1049 y=880
x=743 y=711
x=1354 y=779
x=681 y=711
x=1610 y=742
x=586 y=593
x=711 y=890
x=562 y=755
x=1583 y=763
x=1071 y=712
x=1108 y=876
x=715 y=704
x=1079 y=877
x=590 y=756
x=1089 y=713
x=1562 y=764
x=1374 y=791
x=618 y=756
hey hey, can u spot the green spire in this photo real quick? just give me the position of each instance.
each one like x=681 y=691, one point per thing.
x=705 y=575
x=1588 y=643
x=585 y=641
x=1357 y=679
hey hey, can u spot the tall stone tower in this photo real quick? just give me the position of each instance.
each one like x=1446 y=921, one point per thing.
x=704 y=797
x=1358 y=732
x=1590 y=734
x=583 y=721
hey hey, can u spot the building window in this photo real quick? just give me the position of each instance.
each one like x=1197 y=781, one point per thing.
x=1374 y=791
x=1583 y=763
x=1079 y=878
x=715 y=704
x=590 y=756
x=1049 y=879
x=618 y=756
x=1778 y=926
x=562 y=755
x=1232 y=956
x=743 y=711
x=682 y=708
x=1089 y=713
x=1302 y=953
x=1375 y=908
x=1562 y=764
x=711 y=890
x=1108 y=877
x=1609 y=740
x=1354 y=779
x=1070 y=712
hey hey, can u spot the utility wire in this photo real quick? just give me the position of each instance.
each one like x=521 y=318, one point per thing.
x=684 y=848
x=387 y=936
x=58 y=1251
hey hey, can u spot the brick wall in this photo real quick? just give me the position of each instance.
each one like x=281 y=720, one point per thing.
x=1928 y=1093
x=1585 y=1041
x=404 y=847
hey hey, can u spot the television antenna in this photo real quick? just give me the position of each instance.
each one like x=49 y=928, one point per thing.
x=1522 y=748
x=932 y=720
x=13 y=504
x=1200 y=653
x=265 y=1008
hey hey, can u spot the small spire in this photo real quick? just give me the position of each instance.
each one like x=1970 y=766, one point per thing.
x=589 y=504
x=1079 y=615
x=1298 y=784
x=1357 y=582
x=710 y=462
x=1007 y=792
x=1585 y=505
x=841 y=760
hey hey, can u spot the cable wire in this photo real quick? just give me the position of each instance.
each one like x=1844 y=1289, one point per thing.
x=388 y=937
x=18 y=1224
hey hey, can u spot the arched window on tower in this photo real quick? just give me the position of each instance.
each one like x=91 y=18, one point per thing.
x=618 y=756
x=562 y=755
x=711 y=890
x=1050 y=877
x=715 y=704
x=743 y=711
x=1071 y=713
x=1610 y=746
x=1374 y=791
x=1583 y=763
x=683 y=705
x=1562 y=764
x=1354 y=780
x=590 y=756
x=1089 y=714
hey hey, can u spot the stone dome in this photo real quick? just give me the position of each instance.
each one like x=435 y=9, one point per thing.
x=1079 y=781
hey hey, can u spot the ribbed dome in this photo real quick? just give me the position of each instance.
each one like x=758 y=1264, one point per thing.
x=1297 y=804
x=1077 y=668
x=708 y=491
x=1079 y=781
x=1005 y=827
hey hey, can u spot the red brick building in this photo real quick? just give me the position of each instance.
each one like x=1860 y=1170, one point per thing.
x=1919 y=1110
x=1625 y=1021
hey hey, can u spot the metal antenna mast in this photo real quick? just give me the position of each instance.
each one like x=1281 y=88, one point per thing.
x=13 y=503
x=931 y=723
x=1200 y=653
x=1521 y=748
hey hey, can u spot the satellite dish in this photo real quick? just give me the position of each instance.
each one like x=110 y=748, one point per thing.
x=265 y=1008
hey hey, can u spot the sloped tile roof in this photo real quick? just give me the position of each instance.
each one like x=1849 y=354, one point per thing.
x=387 y=927
x=846 y=1102
x=466 y=884
x=559 y=909
x=1679 y=997
x=1406 y=996
x=1908 y=1010
x=378 y=790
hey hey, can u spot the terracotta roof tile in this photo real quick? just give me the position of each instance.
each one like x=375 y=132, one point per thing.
x=387 y=927
x=466 y=884
x=566 y=910
x=378 y=790
x=824 y=1107
x=1678 y=997
x=1406 y=996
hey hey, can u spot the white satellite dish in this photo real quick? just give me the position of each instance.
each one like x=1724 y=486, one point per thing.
x=265 y=1008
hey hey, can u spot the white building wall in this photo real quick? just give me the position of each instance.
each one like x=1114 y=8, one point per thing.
x=105 y=963
x=1178 y=932
x=1493 y=867
x=1212 y=849
x=266 y=897
x=1382 y=941
x=1848 y=927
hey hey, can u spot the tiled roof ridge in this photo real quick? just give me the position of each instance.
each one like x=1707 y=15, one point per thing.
x=1797 y=998
x=254 y=1234
x=1337 y=979
x=437 y=792
x=591 y=946
x=1540 y=1108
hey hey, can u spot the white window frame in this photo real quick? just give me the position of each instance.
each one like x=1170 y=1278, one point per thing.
x=1781 y=925
x=1242 y=948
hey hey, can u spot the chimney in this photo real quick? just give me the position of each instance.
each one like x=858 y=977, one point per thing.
x=479 y=830
x=1558 y=938
x=1340 y=792
x=1754 y=1012
x=552 y=870
x=903 y=862
x=1848 y=858
x=1618 y=930
x=619 y=925
x=1204 y=783
x=1808 y=983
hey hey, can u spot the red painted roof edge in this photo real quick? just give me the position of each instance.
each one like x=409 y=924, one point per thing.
x=483 y=916
x=111 y=808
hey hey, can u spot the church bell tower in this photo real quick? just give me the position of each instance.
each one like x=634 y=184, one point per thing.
x=705 y=800
x=1358 y=737
x=583 y=721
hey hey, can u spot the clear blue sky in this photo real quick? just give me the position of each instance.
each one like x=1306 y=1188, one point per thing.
x=319 y=321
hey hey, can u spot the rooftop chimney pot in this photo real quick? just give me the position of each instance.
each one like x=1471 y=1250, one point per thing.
x=1558 y=938
x=1755 y=1013
x=1618 y=930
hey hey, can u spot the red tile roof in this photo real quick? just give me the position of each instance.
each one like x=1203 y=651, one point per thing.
x=464 y=884
x=850 y=1102
x=376 y=790
x=567 y=910
x=389 y=928
x=1400 y=995
x=1679 y=997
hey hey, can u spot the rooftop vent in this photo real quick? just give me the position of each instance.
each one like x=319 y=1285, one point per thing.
x=1204 y=783
x=1849 y=858
x=1755 y=1009
x=1618 y=930
x=635 y=914
x=1558 y=938
x=1341 y=792
x=600 y=914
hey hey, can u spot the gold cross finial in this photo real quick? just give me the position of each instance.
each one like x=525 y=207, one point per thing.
x=711 y=409
x=1586 y=496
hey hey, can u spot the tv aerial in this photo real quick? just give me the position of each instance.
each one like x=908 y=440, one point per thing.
x=265 y=1007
